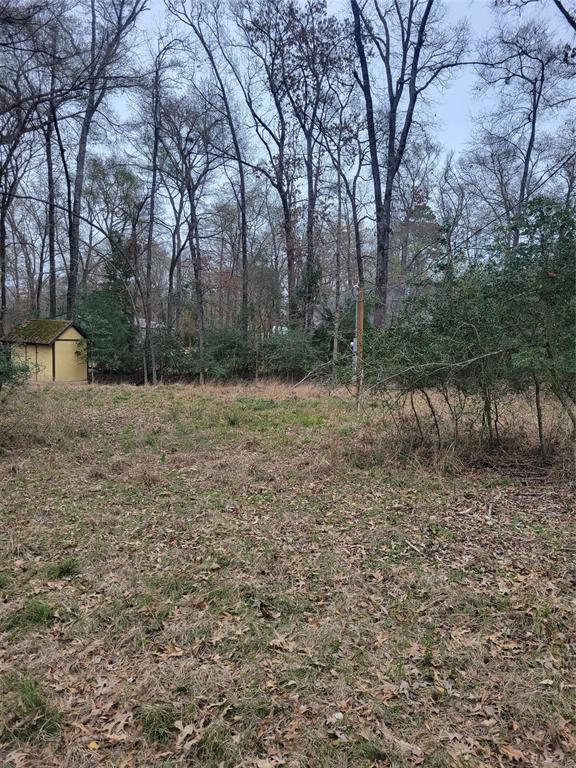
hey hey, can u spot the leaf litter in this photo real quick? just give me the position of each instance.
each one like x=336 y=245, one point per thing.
x=286 y=606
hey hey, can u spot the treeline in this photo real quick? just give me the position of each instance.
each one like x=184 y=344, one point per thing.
x=203 y=196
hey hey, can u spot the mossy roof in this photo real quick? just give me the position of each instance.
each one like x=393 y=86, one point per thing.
x=39 y=331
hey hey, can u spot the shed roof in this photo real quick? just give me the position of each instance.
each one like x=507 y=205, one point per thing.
x=40 y=331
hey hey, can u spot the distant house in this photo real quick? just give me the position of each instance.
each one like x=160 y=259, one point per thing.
x=56 y=349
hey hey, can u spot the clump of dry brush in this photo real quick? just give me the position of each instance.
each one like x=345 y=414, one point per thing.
x=451 y=430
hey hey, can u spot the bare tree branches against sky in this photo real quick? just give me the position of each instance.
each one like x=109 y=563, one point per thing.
x=453 y=111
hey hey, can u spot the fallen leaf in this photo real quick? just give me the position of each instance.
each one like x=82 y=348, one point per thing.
x=516 y=755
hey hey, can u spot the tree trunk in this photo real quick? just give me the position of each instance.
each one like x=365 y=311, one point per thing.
x=523 y=192
x=383 y=256
x=51 y=217
x=51 y=222
x=241 y=175
x=196 y=258
x=74 y=234
x=40 y=280
x=74 y=238
x=151 y=212
x=539 y=416
x=309 y=270
x=290 y=254
x=338 y=268
x=3 y=265
x=382 y=233
x=357 y=242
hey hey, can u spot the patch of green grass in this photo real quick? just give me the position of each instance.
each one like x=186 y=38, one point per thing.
x=253 y=709
x=215 y=749
x=223 y=597
x=28 y=713
x=126 y=439
x=438 y=760
x=115 y=618
x=272 y=605
x=33 y=613
x=299 y=678
x=5 y=577
x=63 y=569
x=122 y=397
x=376 y=752
x=310 y=420
x=482 y=606
x=157 y=721
x=232 y=419
x=154 y=624
x=257 y=403
x=173 y=585
x=151 y=438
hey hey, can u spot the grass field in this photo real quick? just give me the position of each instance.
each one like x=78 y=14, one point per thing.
x=210 y=577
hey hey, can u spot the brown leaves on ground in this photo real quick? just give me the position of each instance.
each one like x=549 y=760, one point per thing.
x=198 y=577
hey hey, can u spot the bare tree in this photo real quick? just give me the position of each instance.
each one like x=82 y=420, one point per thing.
x=315 y=50
x=155 y=92
x=110 y=25
x=417 y=53
x=192 y=140
x=197 y=17
x=568 y=10
x=522 y=63
x=23 y=66
x=262 y=36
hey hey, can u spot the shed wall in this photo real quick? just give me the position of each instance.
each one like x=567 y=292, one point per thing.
x=40 y=358
x=44 y=362
x=70 y=333
x=18 y=351
x=70 y=366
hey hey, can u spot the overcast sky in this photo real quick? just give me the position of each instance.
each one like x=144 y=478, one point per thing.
x=455 y=108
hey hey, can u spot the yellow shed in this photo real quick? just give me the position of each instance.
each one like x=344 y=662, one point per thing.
x=56 y=349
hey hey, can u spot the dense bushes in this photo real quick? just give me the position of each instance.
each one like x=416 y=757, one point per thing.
x=503 y=325
x=116 y=347
x=229 y=356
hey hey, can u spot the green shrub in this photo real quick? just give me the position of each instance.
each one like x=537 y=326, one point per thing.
x=501 y=325
x=292 y=354
x=114 y=342
x=13 y=372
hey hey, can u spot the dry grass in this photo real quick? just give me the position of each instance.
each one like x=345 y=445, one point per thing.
x=211 y=577
x=450 y=434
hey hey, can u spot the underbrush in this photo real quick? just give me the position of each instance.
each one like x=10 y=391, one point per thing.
x=428 y=430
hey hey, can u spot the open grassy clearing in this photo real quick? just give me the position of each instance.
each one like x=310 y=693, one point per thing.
x=208 y=577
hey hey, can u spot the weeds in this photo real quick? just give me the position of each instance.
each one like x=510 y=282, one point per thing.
x=34 y=613
x=64 y=569
x=28 y=713
x=215 y=749
x=157 y=721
